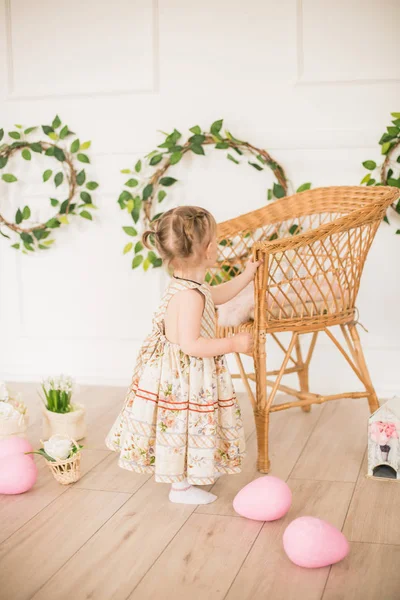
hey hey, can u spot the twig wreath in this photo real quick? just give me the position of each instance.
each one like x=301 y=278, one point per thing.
x=31 y=235
x=150 y=190
x=388 y=173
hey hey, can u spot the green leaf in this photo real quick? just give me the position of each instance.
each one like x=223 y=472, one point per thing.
x=394 y=182
x=369 y=164
x=92 y=185
x=256 y=166
x=49 y=242
x=41 y=234
x=222 y=145
x=58 y=179
x=126 y=171
x=137 y=261
x=269 y=194
x=5 y=235
x=129 y=205
x=75 y=146
x=8 y=178
x=393 y=131
x=63 y=219
x=86 y=145
x=26 y=213
x=230 y=157
x=146 y=264
x=156 y=159
x=366 y=178
x=18 y=217
x=261 y=159
x=396 y=122
x=36 y=147
x=167 y=181
x=3 y=161
x=87 y=198
x=56 y=123
x=303 y=188
x=50 y=151
x=130 y=231
x=29 y=130
x=197 y=149
x=47 y=174
x=278 y=190
x=371 y=182
x=385 y=147
x=138 y=247
x=138 y=166
x=396 y=115
x=128 y=247
x=294 y=229
x=83 y=158
x=26 y=154
x=216 y=127
x=15 y=135
x=175 y=157
x=86 y=215
x=81 y=177
x=161 y=195
x=47 y=129
x=26 y=237
x=197 y=140
x=147 y=191
x=16 y=246
x=53 y=136
x=196 y=130
x=132 y=183
x=59 y=154
x=53 y=223
x=123 y=198
x=64 y=132
x=1 y=134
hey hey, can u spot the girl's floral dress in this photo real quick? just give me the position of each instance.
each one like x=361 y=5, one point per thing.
x=181 y=417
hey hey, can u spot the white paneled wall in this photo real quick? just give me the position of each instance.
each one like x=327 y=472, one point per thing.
x=313 y=82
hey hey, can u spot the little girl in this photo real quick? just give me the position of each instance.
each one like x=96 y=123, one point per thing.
x=181 y=420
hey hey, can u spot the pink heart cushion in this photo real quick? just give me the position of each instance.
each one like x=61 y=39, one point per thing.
x=264 y=499
x=18 y=473
x=310 y=542
x=14 y=445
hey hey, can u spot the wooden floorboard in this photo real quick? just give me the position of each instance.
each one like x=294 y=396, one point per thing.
x=114 y=535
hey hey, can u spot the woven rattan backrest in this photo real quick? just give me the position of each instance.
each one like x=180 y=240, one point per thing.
x=313 y=247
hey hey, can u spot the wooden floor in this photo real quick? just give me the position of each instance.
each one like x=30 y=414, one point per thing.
x=114 y=535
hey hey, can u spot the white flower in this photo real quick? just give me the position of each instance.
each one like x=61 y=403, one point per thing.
x=7 y=411
x=3 y=391
x=64 y=383
x=58 y=447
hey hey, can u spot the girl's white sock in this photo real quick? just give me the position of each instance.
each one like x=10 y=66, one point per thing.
x=184 y=493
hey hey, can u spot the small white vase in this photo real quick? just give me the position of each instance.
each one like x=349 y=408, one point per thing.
x=71 y=424
x=16 y=426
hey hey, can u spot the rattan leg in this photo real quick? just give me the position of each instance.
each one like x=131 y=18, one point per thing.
x=261 y=413
x=262 y=429
x=362 y=365
x=303 y=374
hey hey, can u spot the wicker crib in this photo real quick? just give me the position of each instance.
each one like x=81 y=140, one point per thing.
x=313 y=246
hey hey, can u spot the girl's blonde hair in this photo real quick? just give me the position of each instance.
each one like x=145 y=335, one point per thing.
x=180 y=233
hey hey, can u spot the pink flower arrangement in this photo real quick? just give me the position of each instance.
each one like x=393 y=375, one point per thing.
x=381 y=431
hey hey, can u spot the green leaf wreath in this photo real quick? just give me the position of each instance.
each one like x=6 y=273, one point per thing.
x=143 y=191
x=388 y=172
x=69 y=160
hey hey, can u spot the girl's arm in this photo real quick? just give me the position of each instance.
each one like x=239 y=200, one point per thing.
x=191 y=307
x=226 y=291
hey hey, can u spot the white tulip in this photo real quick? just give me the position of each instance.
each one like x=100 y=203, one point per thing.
x=7 y=411
x=58 y=447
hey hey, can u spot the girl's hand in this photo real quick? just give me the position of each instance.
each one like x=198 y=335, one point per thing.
x=251 y=268
x=242 y=343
